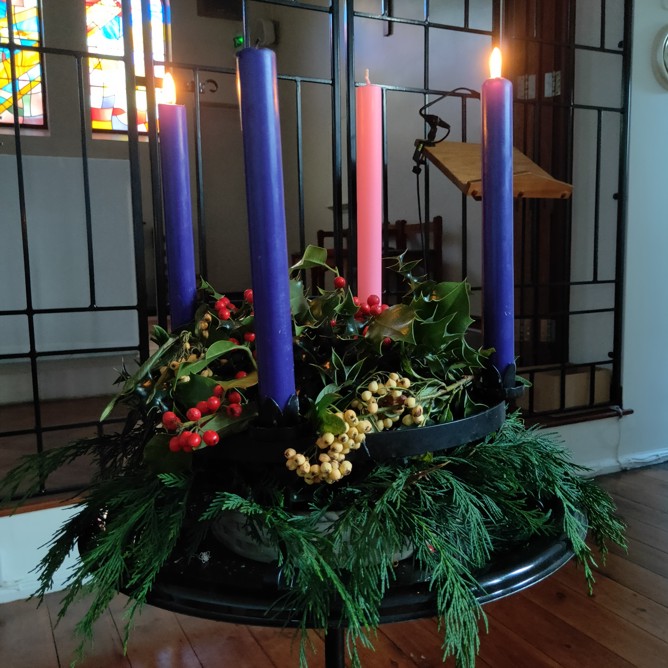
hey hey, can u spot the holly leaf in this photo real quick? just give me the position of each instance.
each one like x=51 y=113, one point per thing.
x=160 y=459
x=198 y=388
x=225 y=425
x=298 y=302
x=452 y=299
x=314 y=256
x=395 y=322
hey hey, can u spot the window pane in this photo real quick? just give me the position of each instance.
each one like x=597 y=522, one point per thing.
x=28 y=65
x=104 y=28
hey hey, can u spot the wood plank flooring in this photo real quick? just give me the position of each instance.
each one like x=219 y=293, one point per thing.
x=555 y=623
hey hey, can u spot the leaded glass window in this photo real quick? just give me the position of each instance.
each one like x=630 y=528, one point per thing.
x=104 y=30
x=23 y=18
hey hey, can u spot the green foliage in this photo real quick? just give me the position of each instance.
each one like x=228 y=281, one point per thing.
x=454 y=508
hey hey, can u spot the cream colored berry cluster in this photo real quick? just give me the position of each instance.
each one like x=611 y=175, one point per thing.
x=390 y=403
x=332 y=463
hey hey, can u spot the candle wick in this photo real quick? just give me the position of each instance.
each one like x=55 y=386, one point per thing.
x=366 y=76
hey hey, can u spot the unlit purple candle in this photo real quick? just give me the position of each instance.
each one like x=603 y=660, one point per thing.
x=497 y=217
x=258 y=100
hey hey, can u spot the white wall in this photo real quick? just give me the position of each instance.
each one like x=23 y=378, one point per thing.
x=22 y=546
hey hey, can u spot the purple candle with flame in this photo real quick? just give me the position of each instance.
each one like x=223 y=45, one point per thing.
x=175 y=166
x=258 y=101
x=497 y=217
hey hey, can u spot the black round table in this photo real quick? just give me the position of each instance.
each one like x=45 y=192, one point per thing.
x=222 y=586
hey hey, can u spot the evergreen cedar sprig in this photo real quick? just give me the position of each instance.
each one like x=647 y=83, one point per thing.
x=454 y=508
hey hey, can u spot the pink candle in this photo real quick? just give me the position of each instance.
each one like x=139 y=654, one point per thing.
x=368 y=110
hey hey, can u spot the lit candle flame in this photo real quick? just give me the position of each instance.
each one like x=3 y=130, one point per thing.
x=168 y=89
x=495 y=63
x=366 y=77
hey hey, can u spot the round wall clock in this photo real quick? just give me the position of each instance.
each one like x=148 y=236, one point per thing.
x=661 y=56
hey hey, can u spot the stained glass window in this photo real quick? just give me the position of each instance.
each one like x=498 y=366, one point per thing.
x=26 y=31
x=104 y=30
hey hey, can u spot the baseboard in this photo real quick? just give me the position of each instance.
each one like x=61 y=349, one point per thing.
x=640 y=459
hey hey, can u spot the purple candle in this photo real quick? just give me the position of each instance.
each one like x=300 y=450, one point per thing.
x=175 y=166
x=497 y=217
x=258 y=101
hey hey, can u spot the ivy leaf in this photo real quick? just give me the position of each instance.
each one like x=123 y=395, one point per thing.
x=395 y=322
x=160 y=459
x=214 y=351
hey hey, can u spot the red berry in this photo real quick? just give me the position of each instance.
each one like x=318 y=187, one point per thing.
x=194 y=440
x=365 y=308
x=332 y=322
x=373 y=299
x=234 y=410
x=384 y=307
x=233 y=397
x=174 y=443
x=387 y=341
x=170 y=421
x=194 y=414
x=357 y=301
x=240 y=374
x=339 y=282
x=234 y=341
x=249 y=336
x=224 y=314
x=218 y=391
x=202 y=407
x=210 y=437
x=248 y=295
x=184 y=437
x=222 y=303
x=376 y=309
x=213 y=404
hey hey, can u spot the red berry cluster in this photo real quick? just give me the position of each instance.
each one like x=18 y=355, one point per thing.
x=373 y=307
x=187 y=440
x=224 y=308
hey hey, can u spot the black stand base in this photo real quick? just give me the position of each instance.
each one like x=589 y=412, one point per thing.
x=225 y=587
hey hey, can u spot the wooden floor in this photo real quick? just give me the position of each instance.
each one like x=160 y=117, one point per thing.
x=555 y=623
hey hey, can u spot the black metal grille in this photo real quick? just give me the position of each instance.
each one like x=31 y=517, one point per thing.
x=437 y=40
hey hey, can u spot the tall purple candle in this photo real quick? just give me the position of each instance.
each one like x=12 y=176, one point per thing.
x=258 y=100
x=497 y=217
x=175 y=167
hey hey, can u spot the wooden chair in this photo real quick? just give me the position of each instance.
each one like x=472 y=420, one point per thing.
x=398 y=237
